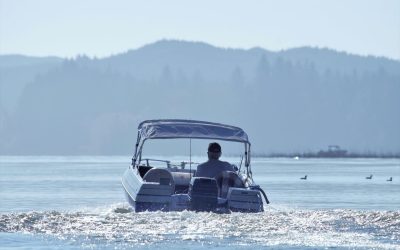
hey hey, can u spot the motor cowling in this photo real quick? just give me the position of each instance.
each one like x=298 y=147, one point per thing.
x=203 y=194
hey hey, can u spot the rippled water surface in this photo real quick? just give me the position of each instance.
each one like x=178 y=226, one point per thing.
x=77 y=202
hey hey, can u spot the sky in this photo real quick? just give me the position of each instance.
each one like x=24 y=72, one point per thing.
x=98 y=28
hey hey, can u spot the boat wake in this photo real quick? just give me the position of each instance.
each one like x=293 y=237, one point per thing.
x=279 y=227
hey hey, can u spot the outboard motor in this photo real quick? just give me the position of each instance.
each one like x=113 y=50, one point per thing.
x=203 y=194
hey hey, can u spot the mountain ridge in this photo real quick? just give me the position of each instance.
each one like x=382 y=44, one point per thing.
x=205 y=44
x=290 y=101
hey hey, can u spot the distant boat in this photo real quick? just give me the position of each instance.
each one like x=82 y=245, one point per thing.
x=334 y=151
x=304 y=178
x=369 y=177
x=390 y=179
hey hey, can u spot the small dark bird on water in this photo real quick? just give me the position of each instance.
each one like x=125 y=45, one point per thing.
x=369 y=177
x=390 y=179
x=304 y=178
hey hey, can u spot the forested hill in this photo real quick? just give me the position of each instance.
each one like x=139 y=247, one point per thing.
x=296 y=100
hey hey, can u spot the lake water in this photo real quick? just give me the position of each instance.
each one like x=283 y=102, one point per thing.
x=78 y=203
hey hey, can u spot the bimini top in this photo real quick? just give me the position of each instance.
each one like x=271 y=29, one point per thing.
x=172 y=129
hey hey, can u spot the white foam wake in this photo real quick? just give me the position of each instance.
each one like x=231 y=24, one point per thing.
x=275 y=227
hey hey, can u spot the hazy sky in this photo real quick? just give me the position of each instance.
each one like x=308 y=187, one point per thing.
x=100 y=28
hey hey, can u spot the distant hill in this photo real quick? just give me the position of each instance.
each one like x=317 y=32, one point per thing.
x=296 y=100
x=9 y=61
x=215 y=63
x=327 y=59
x=17 y=71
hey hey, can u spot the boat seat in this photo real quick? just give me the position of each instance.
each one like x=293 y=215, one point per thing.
x=161 y=176
x=226 y=180
x=182 y=178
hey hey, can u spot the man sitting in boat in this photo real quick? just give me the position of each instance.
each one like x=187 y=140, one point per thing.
x=213 y=166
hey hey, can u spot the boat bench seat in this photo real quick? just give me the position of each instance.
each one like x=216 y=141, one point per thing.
x=158 y=181
x=159 y=175
x=182 y=178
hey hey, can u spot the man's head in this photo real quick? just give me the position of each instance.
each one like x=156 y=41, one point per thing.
x=214 y=151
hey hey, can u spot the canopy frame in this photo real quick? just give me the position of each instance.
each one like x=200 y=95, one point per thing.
x=190 y=129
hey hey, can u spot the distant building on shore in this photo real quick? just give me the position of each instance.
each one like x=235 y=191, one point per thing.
x=334 y=151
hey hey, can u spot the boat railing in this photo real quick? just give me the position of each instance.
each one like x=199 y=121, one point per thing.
x=157 y=160
x=182 y=164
